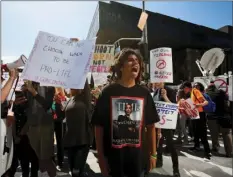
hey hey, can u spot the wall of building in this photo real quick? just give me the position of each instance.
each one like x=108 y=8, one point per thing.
x=119 y=20
x=188 y=41
x=95 y=24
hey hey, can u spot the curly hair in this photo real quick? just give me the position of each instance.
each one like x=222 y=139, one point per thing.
x=121 y=58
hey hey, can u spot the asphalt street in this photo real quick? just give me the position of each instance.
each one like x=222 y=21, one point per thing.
x=191 y=165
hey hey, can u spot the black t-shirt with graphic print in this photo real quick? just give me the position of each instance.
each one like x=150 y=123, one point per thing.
x=123 y=113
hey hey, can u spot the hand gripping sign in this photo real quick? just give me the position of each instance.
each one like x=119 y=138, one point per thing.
x=189 y=109
x=168 y=113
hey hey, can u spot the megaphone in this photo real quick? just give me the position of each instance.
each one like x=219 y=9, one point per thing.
x=16 y=64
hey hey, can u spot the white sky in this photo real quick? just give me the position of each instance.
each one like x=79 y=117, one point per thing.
x=23 y=21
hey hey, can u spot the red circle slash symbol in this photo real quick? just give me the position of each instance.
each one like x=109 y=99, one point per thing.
x=161 y=64
x=222 y=85
x=162 y=121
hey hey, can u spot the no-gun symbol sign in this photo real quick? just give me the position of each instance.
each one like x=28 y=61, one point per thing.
x=161 y=68
x=161 y=64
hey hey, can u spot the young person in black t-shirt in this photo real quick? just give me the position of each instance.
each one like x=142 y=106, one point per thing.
x=126 y=155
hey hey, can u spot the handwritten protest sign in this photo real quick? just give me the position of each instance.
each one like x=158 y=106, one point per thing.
x=161 y=69
x=103 y=59
x=168 y=113
x=58 y=61
x=99 y=78
x=190 y=109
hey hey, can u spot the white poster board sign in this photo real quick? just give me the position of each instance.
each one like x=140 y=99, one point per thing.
x=58 y=61
x=99 y=78
x=190 y=109
x=161 y=68
x=168 y=113
x=230 y=88
x=103 y=59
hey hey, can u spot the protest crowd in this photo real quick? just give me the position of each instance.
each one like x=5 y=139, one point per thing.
x=120 y=119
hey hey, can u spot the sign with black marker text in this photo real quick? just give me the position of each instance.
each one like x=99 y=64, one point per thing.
x=58 y=61
x=168 y=113
x=103 y=59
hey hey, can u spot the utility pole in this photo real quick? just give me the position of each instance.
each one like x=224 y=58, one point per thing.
x=144 y=44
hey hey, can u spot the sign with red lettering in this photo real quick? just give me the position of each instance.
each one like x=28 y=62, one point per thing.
x=161 y=69
x=58 y=61
x=219 y=81
x=103 y=59
x=221 y=84
x=189 y=109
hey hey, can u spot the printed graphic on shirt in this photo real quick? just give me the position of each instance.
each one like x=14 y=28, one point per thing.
x=127 y=116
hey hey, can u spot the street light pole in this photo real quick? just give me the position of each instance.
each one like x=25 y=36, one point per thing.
x=145 y=44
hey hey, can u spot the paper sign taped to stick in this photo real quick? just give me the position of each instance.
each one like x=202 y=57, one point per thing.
x=103 y=59
x=161 y=69
x=190 y=109
x=168 y=113
x=142 y=20
x=58 y=61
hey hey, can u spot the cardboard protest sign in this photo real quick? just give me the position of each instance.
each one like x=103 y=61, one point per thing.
x=103 y=59
x=142 y=20
x=168 y=113
x=190 y=109
x=161 y=69
x=58 y=61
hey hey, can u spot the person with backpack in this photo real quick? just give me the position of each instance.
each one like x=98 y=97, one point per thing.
x=199 y=125
x=220 y=120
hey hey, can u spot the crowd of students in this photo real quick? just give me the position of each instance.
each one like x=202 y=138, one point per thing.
x=118 y=117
